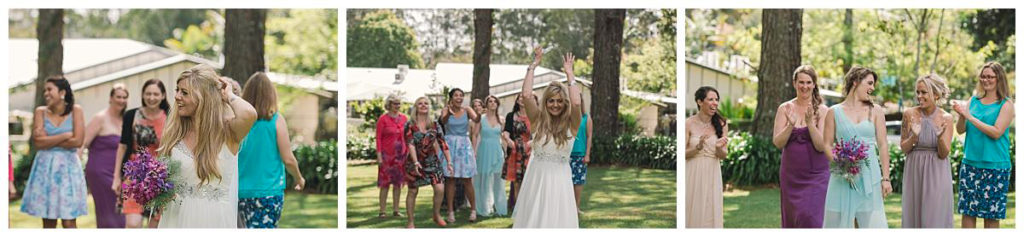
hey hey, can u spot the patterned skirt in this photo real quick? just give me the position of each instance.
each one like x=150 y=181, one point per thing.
x=463 y=158
x=56 y=187
x=431 y=171
x=983 y=192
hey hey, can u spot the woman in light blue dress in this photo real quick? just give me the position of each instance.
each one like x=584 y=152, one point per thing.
x=456 y=119
x=56 y=186
x=490 y=155
x=860 y=204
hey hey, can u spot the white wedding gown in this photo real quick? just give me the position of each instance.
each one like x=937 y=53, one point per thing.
x=546 y=198
x=212 y=205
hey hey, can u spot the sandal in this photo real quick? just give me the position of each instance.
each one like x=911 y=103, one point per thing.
x=451 y=217
x=382 y=215
x=439 y=221
x=396 y=214
x=472 y=216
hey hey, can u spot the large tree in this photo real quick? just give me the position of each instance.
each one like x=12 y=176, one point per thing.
x=482 y=22
x=381 y=39
x=608 y=26
x=780 y=55
x=50 y=59
x=244 y=31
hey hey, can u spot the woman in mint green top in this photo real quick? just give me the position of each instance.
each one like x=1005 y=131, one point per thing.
x=984 y=176
x=263 y=157
x=580 y=155
x=858 y=203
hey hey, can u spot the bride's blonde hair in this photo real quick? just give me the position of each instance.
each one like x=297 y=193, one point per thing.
x=551 y=127
x=207 y=122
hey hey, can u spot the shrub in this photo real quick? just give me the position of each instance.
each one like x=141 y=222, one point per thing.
x=319 y=166
x=634 y=150
x=751 y=161
x=361 y=147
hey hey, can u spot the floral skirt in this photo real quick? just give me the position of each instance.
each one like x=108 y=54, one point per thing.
x=983 y=192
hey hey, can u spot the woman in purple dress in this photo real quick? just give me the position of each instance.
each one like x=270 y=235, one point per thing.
x=101 y=138
x=803 y=175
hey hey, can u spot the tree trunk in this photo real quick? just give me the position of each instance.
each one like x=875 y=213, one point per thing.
x=244 y=31
x=608 y=26
x=848 y=40
x=780 y=55
x=483 y=20
x=50 y=58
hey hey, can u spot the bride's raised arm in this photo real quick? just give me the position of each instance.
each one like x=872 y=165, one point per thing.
x=245 y=114
x=530 y=102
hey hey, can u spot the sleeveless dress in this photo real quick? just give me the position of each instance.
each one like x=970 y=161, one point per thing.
x=864 y=203
x=803 y=181
x=56 y=185
x=211 y=205
x=392 y=147
x=927 y=182
x=546 y=199
x=704 y=187
x=99 y=174
x=490 y=193
x=457 y=136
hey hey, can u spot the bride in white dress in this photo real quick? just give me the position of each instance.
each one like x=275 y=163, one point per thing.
x=546 y=199
x=203 y=136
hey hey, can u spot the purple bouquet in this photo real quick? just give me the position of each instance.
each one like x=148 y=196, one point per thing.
x=849 y=156
x=150 y=183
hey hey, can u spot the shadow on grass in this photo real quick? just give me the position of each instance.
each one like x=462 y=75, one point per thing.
x=758 y=207
x=614 y=197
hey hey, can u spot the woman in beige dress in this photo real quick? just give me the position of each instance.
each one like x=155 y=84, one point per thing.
x=706 y=146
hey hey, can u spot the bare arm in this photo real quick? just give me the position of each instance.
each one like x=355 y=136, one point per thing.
x=590 y=139
x=883 y=149
x=472 y=114
x=474 y=132
x=783 y=126
x=908 y=139
x=116 y=185
x=529 y=103
x=961 y=122
x=691 y=151
x=39 y=137
x=816 y=131
x=284 y=149
x=576 y=112
x=1006 y=115
x=722 y=150
x=78 y=129
x=245 y=115
x=91 y=131
x=946 y=138
x=829 y=134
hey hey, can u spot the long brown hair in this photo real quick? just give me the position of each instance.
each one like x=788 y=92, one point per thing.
x=1002 y=87
x=260 y=92
x=717 y=121
x=856 y=75
x=816 y=98
x=208 y=119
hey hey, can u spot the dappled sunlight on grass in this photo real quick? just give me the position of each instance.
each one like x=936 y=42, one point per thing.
x=613 y=197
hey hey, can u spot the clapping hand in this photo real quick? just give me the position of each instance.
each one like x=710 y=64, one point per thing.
x=809 y=117
x=915 y=126
x=960 y=108
x=722 y=142
x=700 y=144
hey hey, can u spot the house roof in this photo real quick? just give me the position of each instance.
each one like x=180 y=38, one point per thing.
x=78 y=54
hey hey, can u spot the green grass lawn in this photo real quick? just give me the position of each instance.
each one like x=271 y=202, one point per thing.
x=300 y=211
x=612 y=198
x=740 y=203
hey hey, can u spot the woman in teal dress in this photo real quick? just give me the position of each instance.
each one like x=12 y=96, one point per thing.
x=490 y=155
x=985 y=170
x=860 y=204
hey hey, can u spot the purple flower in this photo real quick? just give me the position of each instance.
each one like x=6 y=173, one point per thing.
x=148 y=178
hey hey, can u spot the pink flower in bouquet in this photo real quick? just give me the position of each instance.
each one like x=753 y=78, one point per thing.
x=850 y=155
